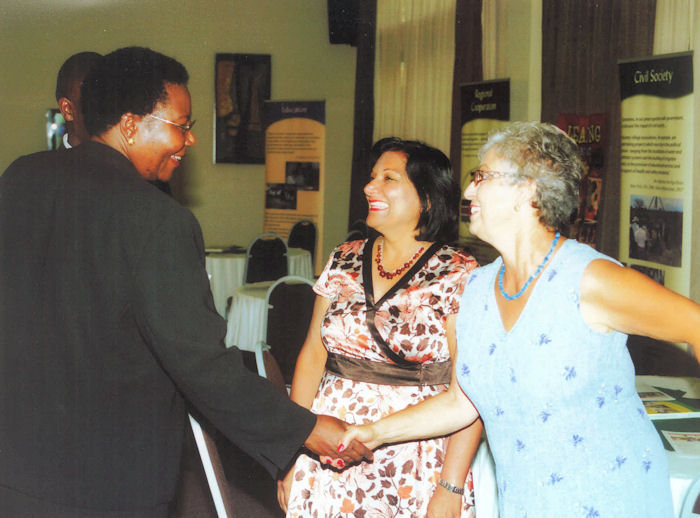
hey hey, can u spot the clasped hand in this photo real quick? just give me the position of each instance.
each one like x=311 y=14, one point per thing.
x=337 y=443
x=340 y=444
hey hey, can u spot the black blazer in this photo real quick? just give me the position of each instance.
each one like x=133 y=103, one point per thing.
x=107 y=325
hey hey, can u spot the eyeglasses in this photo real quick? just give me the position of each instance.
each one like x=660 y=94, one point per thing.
x=185 y=128
x=479 y=175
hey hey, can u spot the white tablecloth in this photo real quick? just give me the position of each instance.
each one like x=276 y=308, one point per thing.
x=684 y=470
x=245 y=326
x=226 y=273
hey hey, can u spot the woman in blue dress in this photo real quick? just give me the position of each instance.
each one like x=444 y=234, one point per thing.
x=542 y=354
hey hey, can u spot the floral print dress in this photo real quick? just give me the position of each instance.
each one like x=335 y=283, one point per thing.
x=403 y=477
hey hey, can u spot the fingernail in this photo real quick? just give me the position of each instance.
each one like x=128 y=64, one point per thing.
x=341 y=447
x=340 y=463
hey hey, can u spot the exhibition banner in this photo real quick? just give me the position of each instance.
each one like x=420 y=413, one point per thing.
x=590 y=133
x=656 y=187
x=485 y=107
x=295 y=150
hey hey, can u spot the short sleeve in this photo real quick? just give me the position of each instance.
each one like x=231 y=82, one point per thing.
x=322 y=286
x=343 y=260
x=454 y=281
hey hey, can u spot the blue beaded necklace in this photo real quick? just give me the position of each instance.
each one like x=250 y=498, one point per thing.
x=532 y=277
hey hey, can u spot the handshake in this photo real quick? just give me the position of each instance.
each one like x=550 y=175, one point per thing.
x=338 y=443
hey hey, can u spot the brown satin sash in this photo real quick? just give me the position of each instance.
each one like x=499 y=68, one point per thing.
x=389 y=374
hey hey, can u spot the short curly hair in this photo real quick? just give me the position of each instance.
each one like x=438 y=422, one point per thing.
x=546 y=155
x=431 y=173
x=74 y=69
x=128 y=80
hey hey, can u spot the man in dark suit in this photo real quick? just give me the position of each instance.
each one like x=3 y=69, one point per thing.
x=68 y=82
x=107 y=322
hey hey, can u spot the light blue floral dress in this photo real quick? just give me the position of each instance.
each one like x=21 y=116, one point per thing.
x=568 y=433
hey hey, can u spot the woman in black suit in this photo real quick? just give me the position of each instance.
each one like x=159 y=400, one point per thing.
x=107 y=323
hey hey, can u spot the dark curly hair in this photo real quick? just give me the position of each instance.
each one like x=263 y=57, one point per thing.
x=430 y=172
x=74 y=69
x=128 y=80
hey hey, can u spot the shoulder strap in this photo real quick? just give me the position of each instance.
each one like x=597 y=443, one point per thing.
x=398 y=358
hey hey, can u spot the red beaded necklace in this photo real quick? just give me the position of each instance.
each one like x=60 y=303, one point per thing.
x=393 y=273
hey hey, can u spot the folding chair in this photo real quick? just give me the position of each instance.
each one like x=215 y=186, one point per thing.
x=266 y=258
x=358 y=230
x=290 y=303
x=303 y=235
x=214 y=470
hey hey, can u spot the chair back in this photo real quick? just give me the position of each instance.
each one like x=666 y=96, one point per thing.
x=303 y=235
x=214 y=470
x=290 y=302
x=266 y=258
x=359 y=230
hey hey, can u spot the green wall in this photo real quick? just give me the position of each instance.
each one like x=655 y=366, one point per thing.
x=37 y=36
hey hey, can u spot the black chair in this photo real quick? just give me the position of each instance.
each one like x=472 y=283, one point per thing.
x=290 y=302
x=303 y=235
x=266 y=259
x=214 y=471
x=357 y=231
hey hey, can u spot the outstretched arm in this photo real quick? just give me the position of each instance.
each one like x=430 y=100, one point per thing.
x=461 y=447
x=619 y=298
x=439 y=415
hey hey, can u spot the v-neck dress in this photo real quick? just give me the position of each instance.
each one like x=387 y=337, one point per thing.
x=403 y=477
x=568 y=433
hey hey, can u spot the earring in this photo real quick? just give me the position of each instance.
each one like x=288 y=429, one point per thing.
x=130 y=141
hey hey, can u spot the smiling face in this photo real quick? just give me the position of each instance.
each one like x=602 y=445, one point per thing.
x=159 y=146
x=393 y=200
x=493 y=199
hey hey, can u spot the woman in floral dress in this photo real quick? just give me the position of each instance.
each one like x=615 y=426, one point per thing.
x=542 y=347
x=381 y=339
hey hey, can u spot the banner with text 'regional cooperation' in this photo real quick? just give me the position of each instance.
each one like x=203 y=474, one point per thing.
x=485 y=108
x=656 y=187
x=295 y=150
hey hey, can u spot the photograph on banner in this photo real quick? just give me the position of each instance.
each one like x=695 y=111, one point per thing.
x=656 y=229
x=590 y=133
x=295 y=149
x=485 y=107
x=655 y=274
x=656 y=164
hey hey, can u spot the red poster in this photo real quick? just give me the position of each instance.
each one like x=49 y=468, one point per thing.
x=589 y=132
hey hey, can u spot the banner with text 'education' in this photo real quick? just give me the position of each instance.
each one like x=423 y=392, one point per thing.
x=485 y=108
x=656 y=186
x=295 y=150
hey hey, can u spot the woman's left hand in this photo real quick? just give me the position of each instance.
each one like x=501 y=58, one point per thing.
x=444 y=504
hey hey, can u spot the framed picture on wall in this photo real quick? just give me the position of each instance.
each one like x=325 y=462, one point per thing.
x=242 y=87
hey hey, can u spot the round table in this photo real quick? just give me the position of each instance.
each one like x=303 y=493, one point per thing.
x=246 y=320
x=226 y=273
